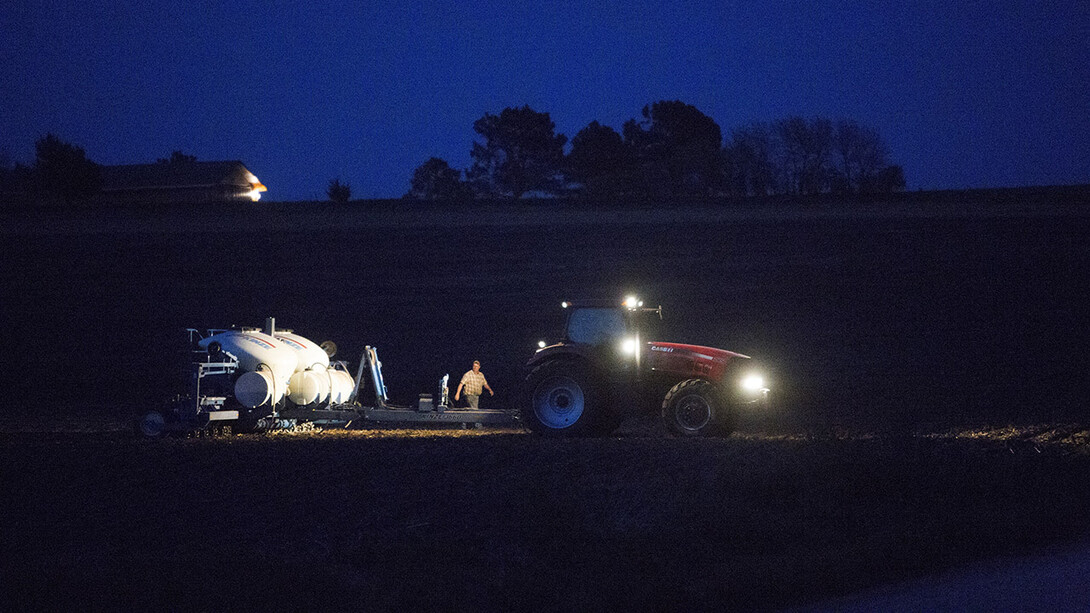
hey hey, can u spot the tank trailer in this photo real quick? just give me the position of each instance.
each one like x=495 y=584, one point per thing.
x=254 y=379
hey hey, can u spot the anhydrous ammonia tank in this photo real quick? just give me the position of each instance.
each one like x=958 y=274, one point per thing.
x=311 y=382
x=310 y=355
x=342 y=385
x=268 y=365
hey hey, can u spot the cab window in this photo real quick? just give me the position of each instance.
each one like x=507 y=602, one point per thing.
x=596 y=326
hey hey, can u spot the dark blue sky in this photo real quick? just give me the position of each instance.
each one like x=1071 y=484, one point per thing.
x=967 y=94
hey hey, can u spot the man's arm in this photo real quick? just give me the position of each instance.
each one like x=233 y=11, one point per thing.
x=460 y=386
x=487 y=387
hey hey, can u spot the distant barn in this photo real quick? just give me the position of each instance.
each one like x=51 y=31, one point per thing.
x=180 y=182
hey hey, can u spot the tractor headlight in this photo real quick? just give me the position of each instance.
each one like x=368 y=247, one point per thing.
x=753 y=383
x=629 y=346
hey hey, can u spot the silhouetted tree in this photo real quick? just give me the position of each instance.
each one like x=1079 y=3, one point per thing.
x=7 y=174
x=600 y=162
x=436 y=180
x=339 y=192
x=62 y=170
x=520 y=153
x=177 y=157
x=749 y=161
x=800 y=156
x=677 y=149
x=861 y=156
x=15 y=179
x=806 y=149
x=890 y=179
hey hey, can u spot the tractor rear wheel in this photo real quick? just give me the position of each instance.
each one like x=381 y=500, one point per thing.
x=151 y=424
x=695 y=408
x=565 y=398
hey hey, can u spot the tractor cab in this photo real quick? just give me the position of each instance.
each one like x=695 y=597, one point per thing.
x=614 y=333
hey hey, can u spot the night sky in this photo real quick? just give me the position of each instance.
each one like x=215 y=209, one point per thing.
x=966 y=94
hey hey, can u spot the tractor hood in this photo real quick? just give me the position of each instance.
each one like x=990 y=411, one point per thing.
x=690 y=360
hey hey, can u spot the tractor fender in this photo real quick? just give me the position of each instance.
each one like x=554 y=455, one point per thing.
x=559 y=351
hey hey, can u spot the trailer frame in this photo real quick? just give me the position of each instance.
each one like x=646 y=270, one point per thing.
x=209 y=406
x=426 y=411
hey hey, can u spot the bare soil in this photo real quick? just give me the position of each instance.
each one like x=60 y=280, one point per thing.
x=499 y=519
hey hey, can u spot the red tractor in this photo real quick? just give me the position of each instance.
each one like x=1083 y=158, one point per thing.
x=602 y=369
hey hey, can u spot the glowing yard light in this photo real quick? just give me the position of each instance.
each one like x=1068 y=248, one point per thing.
x=255 y=187
x=541 y=344
x=632 y=302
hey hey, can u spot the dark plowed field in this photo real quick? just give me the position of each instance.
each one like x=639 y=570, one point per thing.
x=481 y=520
x=901 y=345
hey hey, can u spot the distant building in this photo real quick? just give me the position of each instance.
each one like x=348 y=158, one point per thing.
x=180 y=183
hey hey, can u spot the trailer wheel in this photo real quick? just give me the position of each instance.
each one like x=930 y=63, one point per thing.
x=695 y=408
x=151 y=424
x=564 y=398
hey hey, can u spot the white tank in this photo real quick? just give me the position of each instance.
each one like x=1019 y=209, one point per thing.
x=342 y=385
x=319 y=386
x=257 y=388
x=311 y=382
x=310 y=355
x=268 y=365
x=309 y=387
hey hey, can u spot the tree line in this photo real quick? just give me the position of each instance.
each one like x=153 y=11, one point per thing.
x=61 y=173
x=673 y=151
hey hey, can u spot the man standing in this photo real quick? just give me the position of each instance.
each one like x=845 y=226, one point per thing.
x=473 y=381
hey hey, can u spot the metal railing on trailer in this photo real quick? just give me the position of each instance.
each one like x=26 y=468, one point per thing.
x=206 y=365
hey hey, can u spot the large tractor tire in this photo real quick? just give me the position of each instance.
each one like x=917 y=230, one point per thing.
x=695 y=407
x=566 y=398
x=150 y=424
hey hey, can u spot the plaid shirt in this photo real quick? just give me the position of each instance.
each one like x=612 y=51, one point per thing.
x=474 y=382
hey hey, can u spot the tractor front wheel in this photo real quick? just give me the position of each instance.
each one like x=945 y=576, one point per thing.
x=695 y=408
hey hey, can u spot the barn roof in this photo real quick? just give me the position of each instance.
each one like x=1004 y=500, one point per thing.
x=176 y=174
